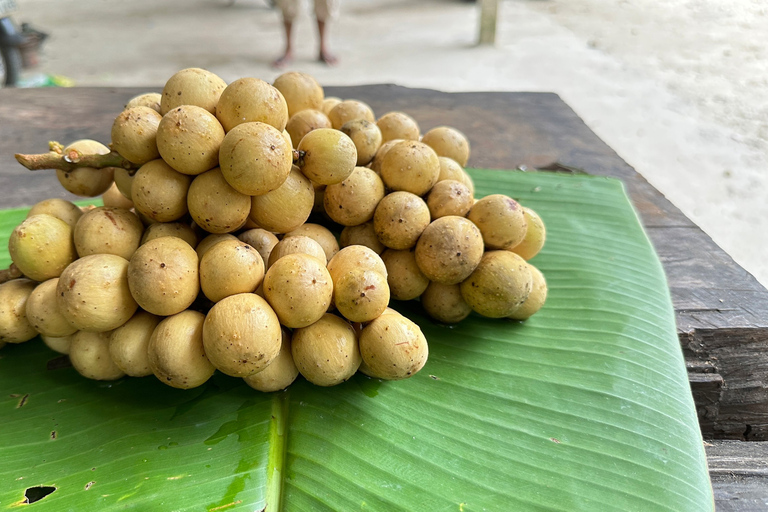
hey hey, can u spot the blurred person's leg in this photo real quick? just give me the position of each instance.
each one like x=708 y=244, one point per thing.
x=290 y=9
x=325 y=11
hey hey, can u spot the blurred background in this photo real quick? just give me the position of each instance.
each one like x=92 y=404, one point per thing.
x=679 y=89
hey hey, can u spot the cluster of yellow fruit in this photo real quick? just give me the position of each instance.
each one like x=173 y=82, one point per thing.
x=157 y=282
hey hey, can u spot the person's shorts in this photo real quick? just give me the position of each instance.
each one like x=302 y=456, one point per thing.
x=324 y=9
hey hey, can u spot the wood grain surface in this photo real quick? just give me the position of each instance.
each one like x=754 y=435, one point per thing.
x=739 y=474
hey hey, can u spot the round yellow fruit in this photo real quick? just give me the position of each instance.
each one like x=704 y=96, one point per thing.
x=93 y=293
x=241 y=335
x=42 y=247
x=393 y=347
x=255 y=158
x=326 y=352
x=175 y=351
x=299 y=289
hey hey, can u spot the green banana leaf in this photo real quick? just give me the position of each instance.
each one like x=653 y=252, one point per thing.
x=584 y=407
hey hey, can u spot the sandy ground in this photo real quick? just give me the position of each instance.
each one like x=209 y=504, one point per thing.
x=677 y=88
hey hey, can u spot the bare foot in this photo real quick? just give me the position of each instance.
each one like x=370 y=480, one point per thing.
x=282 y=61
x=328 y=58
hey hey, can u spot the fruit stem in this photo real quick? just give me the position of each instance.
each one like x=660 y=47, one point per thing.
x=298 y=157
x=10 y=273
x=73 y=159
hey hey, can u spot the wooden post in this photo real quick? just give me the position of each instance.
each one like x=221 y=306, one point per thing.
x=488 y=12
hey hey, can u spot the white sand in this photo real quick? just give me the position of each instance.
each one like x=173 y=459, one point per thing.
x=678 y=89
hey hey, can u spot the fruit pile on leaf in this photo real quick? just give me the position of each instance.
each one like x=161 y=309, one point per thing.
x=261 y=230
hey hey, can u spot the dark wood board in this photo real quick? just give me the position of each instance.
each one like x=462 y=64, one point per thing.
x=739 y=474
x=721 y=310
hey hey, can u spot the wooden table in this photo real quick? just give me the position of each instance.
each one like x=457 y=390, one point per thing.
x=721 y=310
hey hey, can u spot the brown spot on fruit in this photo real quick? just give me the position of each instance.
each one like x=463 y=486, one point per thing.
x=111 y=217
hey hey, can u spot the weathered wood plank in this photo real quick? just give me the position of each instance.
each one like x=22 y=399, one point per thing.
x=706 y=388
x=720 y=325
x=739 y=474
